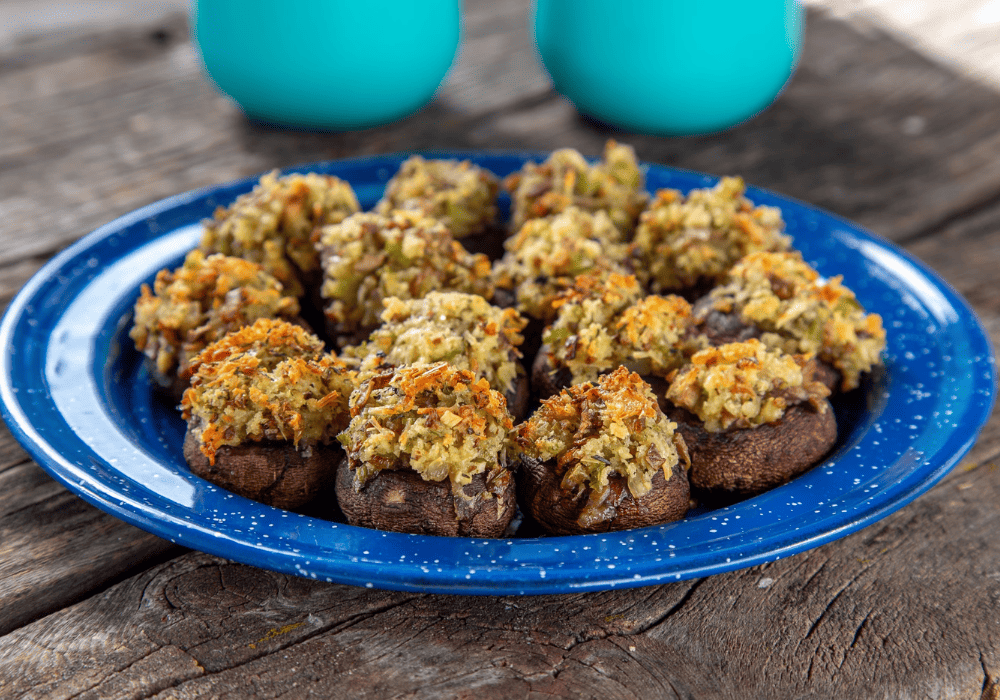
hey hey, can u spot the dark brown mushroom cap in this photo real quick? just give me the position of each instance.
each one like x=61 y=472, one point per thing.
x=744 y=462
x=518 y=396
x=558 y=511
x=546 y=379
x=402 y=501
x=271 y=472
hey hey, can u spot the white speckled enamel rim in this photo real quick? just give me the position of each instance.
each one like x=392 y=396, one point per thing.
x=73 y=393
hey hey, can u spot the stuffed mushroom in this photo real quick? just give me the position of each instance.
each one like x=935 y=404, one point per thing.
x=277 y=225
x=197 y=304
x=370 y=257
x=263 y=411
x=752 y=418
x=613 y=186
x=686 y=244
x=427 y=454
x=464 y=330
x=602 y=456
x=780 y=299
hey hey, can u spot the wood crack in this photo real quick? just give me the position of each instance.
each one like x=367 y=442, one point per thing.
x=671 y=611
x=991 y=689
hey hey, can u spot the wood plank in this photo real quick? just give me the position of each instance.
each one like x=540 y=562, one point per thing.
x=875 y=614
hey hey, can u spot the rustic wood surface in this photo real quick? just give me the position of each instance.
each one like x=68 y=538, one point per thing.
x=98 y=120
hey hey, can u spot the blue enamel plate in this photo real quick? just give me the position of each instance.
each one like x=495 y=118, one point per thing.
x=75 y=394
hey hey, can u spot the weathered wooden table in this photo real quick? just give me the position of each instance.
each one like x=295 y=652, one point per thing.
x=100 y=120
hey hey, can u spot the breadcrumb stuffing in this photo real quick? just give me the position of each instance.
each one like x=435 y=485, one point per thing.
x=459 y=194
x=681 y=241
x=802 y=313
x=438 y=420
x=268 y=381
x=199 y=302
x=276 y=225
x=614 y=186
x=370 y=257
x=464 y=330
x=743 y=385
x=603 y=324
x=546 y=256
x=596 y=431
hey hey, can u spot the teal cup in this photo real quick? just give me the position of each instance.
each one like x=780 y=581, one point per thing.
x=327 y=64
x=669 y=67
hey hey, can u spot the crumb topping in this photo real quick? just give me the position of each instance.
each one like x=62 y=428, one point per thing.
x=801 y=313
x=459 y=194
x=369 y=257
x=566 y=179
x=597 y=431
x=743 y=385
x=438 y=420
x=200 y=302
x=464 y=330
x=276 y=224
x=268 y=381
x=603 y=324
x=682 y=240
x=546 y=255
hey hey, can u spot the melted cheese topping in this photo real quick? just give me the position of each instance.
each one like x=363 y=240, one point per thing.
x=275 y=225
x=268 y=381
x=566 y=179
x=200 y=302
x=369 y=257
x=438 y=420
x=603 y=324
x=743 y=385
x=681 y=240
x=800 y=313
x=464 y=330
x=594 y=432
x=459 y=194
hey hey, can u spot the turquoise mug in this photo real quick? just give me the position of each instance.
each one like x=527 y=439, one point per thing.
x=327 y=64
x=669 y=67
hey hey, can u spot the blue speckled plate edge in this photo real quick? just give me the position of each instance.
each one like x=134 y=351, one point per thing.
x=389 y=560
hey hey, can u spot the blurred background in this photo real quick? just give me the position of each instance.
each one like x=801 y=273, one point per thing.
x=106 y=108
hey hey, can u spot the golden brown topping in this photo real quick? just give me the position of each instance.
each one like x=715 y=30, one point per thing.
x=370 y=257
x=200 y=302
x=594 y=432
x=459 y=194
x=464 y=330
x=683 y=240
x=601 y=325
x=800 y=313
x=547 y=255
x=438 y=420
x=268 y=381
x=565 y=179
x=276 y=224
x=743 y=385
